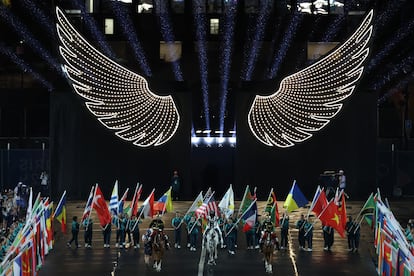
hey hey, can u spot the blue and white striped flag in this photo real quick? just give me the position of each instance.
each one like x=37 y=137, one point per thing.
x=114 y=202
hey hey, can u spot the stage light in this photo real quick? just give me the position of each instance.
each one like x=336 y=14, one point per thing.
x=119 y=98
x=226 y=48
x=24 y=66
x=96 y=33
x=307 y=100
x=28 y=37
x=168 y=34
x=254 y=34
x=208 y=140
x=201 y=40
x=232 y=140
x=284 y=45
x=128 y=30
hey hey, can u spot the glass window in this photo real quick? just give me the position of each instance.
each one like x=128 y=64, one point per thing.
x=214 y=25
x=145 y=6
x=109 y=26
x=170 y=51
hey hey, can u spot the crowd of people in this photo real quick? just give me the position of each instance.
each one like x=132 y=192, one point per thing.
x=13 y=212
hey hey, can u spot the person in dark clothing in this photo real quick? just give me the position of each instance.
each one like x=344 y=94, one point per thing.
x=75 y=232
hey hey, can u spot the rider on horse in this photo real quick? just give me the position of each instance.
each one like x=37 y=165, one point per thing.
x=268 y=229
x=157 y=225
x=213 y=224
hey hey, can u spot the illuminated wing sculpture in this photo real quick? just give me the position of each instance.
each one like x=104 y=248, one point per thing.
x=308 y=99
x=119 y=98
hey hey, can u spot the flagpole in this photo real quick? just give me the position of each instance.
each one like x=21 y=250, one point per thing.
x=165 y=205
x=270 y=194
x=86 y=205
x=238 y=220
x=360 y=212
x=318 y=216
x=206 y=214
x=188 y=211
x=242 y=202
x=60 y=201
x=132 y=204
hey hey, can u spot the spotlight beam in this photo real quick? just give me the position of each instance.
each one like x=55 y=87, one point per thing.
x=96 y=33
x=226 y=53
x=128 y=29
x=284 y=46
x=168 y=34
x=29 y=39
x=7 y=51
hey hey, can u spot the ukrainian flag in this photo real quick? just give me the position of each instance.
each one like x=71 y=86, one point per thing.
x=60 y=212
x=295 y=199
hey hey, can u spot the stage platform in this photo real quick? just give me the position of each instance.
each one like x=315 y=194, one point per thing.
x=100 y=261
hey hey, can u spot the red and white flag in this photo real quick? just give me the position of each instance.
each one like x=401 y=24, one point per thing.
x=208 y=205
x=101 y=207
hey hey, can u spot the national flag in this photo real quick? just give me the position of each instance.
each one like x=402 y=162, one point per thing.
x=148 y=206
x=387 y=259
x=272 y=209
x=29 y=205
x=113 y=202
x=101 y=207
x=250 y=216
x=319 y=201
x=133 y=210
x=49 y=224
x=17 y=266
x=247 y=199
x=198 y=201
x=164 y=203
x=368 y=210
x=208 y=193
x=88 y=206
x=26 y=262
x=60 y=212
x=121 y=202
x=226 y=204
x=208 y=205
x=342 y=211
x=295 y=199
x=330 y=216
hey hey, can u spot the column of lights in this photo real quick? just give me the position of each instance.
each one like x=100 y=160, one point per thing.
x=226 y=53
x=400 y=36
x=94 y=30
x=45 y=20
x=396 y=70
x=118 y=97
x=10 y=53
x=29 y=39
x=254 y=44
x=308 y=99
x=128 y=30
x=284 y=45
x=168 y=35
x=201 y=40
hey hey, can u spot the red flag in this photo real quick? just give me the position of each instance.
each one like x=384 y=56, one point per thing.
x=148 y=206
x=101 y=207
x=320 y=203
x=330 y=216
x=26 y=263
x=135 y=199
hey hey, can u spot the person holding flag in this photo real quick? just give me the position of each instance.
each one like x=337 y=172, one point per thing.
x=193 y=229
x=353 y=233
x=88 y=223
x=176 y=223
x=134 y=229
x=328 y=237
x=300 y=224
x=284 y=231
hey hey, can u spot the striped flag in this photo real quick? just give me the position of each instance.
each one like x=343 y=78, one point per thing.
x=208 y=205
x=113 y=202
x=88 y=206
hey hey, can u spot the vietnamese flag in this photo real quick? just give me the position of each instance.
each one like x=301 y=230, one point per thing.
x=330 y=216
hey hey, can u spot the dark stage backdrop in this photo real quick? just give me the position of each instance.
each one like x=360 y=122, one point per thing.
x=83 y=152
x=348 y=143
